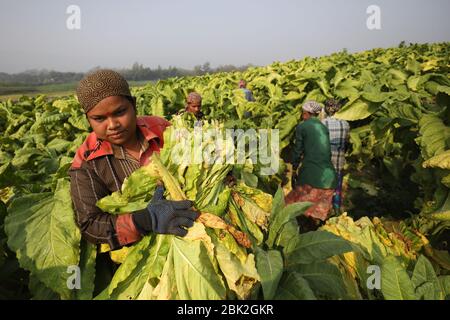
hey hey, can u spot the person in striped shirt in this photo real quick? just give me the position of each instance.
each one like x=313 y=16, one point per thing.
x=120 y=143
x=339 y=138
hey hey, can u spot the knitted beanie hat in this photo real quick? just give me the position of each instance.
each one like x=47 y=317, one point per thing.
x=99 y=85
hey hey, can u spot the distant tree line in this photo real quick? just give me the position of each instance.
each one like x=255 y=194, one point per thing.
x=39 y=77
x=136 y=73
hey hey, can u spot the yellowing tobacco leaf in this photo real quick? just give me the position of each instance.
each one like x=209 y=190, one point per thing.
x=253 y=212
x=440 y=161
x=213 y=221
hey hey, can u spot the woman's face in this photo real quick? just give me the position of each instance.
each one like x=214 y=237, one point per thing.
x=113 y=119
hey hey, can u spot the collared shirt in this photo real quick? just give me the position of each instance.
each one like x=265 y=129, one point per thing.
x=248 y=94
x=312 y=149
x=99 y=169
x=339 y=133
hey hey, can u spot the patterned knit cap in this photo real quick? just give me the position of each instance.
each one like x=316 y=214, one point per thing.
x=194 y=97
x=312 y=107
x=99 y=85
x=332 y=106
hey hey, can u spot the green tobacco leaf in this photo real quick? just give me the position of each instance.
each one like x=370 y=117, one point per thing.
x=347 y=92
x=39 y=291
x=415 y=83
x=398 y=75
x=145 y=261
x=441 y=215
x=315 y=246
x=222 y=203
x=167 y=287
x=194 y=273
x=137 y=190
x=324 y=86
x=158 y=107
x=324 y=279
x=404 y=111
x=444 y=281
x=288 y=233
x=358 y=110
x=375 y=96
x=8 y=176
x=443 y=212
x=294 y=287
x=284 y=215
x=270 y=269
x=286 y=125
x=316 y=95
x=250 y=179
x=413 y=66
x=59 y=145
x=88 y=254
x=293 y=95
x=434 y=134
x=446 y=181
x=425 y=280
x=23 y=156
x=395 y=282
x=277 y=204
x=41 y=230
x=80 y=122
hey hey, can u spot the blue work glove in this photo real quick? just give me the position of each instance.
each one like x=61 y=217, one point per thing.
x=165 y=216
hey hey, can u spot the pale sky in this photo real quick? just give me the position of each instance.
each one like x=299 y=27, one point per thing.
x=113 y=33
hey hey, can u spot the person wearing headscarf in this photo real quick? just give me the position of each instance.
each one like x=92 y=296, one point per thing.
x=316 y=179
x=339 y=135
x=119 y=144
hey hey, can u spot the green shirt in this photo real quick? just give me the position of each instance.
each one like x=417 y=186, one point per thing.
x=312 y=149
